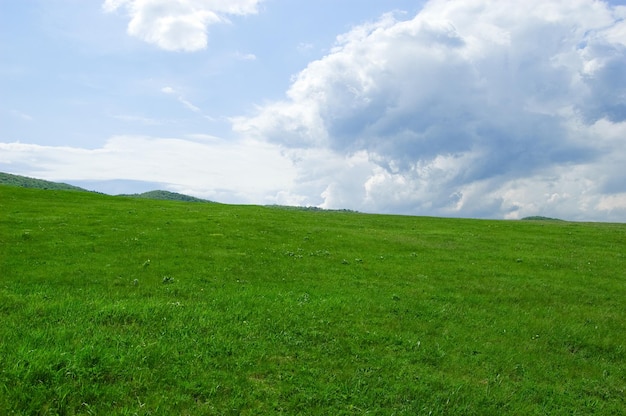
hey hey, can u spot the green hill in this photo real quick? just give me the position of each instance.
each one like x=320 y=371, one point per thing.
x=166 y=196
x=124 y=306
x=540 y=218
x=26 y=182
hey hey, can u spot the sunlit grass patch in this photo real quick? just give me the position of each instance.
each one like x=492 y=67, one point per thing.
x=126 y=306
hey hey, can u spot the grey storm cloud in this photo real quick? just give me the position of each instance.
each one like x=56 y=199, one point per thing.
x=466 y=104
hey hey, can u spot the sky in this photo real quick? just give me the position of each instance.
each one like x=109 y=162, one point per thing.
x=456 y=108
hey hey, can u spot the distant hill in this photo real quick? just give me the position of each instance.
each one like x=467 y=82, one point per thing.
x=309 y=208
x=540 y=218
x=166 y=195
x=26 y=182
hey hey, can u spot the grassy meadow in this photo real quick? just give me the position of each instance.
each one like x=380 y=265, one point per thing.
x=126 y=306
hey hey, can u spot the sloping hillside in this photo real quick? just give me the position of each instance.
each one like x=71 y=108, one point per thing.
x=166 y=196
x=26 y=182
x=114 y=306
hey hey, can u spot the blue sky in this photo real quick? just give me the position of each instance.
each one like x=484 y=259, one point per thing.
x=468 y=108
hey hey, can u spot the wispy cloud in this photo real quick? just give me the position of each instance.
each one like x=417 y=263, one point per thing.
x=304 y=47
x=188 y=104
x=21 y=116
x=245 y=56
x=137 y=119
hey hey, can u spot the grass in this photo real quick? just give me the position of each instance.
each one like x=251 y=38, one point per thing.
x=124 y=306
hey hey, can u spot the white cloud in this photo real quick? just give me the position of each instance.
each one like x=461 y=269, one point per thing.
x=245 y=56
x=179 y=25
x=472 y=108
x=205 y=166
x=21 y=116
x=188 y=104
x=305 y=47
x=613 y=202
x=137 y=119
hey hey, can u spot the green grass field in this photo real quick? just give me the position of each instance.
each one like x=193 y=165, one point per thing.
x=125 y=306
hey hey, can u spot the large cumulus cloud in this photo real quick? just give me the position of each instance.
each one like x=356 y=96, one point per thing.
x=472 y=107
x=178 y=25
